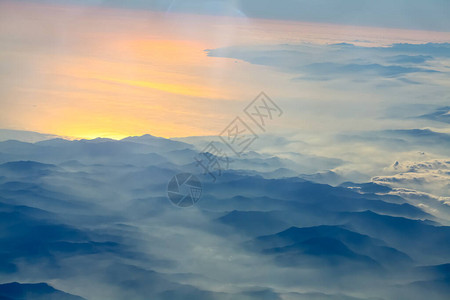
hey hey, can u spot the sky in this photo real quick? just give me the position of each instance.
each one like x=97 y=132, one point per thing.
x=410 y=14
x=345 y=194
x=106 y=69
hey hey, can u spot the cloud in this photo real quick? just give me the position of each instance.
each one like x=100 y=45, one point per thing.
x=441 y=114
x=427 y=176
x=413 y=14
x=433 y=49
x=413 y=59
x=334 y=69
x=422 y=141
x=343 y=60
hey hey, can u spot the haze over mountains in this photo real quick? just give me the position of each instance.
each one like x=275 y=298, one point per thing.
x=340 y=190
x=90 y=219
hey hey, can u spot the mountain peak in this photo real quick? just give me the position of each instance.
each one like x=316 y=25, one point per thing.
x=16 y=290
x=146 y=136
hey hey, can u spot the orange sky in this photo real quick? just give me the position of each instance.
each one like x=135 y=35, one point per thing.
x=89 y=72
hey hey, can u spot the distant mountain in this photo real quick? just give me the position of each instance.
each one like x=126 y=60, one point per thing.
x=415 y=237
x=320 y=195
x=422 y=135
x=24 y=136
x=95 y=213
x=328 y=177
x=26 y=168
x=369 y=187
x=320 y=251
x=254 y=222
x=161 y=143
x=33 y=291
x=330 y=240
x=85 y=151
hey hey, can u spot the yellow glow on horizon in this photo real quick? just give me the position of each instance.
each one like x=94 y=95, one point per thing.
x=84 y=73
x=179 y=89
